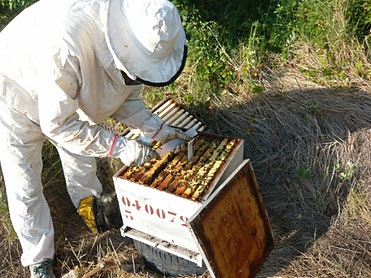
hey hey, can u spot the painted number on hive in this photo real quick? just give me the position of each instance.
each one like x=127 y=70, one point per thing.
x=152 y=211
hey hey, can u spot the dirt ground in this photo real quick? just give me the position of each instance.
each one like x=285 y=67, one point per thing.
x=310 y=148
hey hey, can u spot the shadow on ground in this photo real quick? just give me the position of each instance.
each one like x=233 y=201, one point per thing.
x=308 y=148
x=302 y=145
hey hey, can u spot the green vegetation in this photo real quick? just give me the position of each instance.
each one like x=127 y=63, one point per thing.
x=230 y=41
x=10 y=8
x=292 y=78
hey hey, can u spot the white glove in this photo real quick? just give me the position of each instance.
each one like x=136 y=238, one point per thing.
x=167 y=133
x=131 y=152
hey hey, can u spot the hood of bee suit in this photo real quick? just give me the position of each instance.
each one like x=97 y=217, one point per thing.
x=146 y=39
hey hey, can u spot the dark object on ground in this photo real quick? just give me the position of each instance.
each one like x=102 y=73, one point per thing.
x=165 y=262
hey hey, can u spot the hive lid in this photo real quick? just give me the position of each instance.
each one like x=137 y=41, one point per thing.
x=232 y=228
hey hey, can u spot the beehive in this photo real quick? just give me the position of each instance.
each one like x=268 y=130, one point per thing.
x=173 y=114
x=196 y=209
x=159 y=197
x=173 y=172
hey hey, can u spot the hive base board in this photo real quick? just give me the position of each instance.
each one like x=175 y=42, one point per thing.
x=163 y=245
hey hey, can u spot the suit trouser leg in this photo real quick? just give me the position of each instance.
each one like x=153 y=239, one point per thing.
x=21 y=143
x=80 y=175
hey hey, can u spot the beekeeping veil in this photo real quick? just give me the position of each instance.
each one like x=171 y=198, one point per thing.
x=146 y=39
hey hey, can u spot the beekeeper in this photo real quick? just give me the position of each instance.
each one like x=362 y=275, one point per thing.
x=65 y=66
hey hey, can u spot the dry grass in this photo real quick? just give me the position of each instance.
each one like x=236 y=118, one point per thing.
x=310 y=147
x=311 y=151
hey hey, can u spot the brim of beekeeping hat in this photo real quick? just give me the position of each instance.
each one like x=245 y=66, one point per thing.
x=146 y=39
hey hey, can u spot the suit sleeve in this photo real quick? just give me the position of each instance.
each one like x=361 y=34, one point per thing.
x=59 y=118
x=135 y=115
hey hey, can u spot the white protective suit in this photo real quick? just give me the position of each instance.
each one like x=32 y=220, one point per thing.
x=55 y=72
